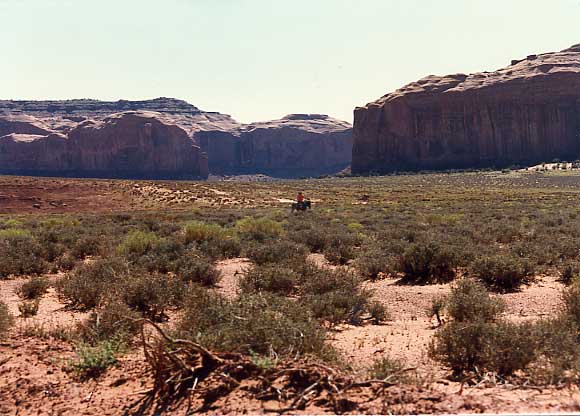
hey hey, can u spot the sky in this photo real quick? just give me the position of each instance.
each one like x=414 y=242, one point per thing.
x=262 y=59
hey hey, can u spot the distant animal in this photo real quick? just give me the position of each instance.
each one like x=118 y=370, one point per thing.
x=301 y=206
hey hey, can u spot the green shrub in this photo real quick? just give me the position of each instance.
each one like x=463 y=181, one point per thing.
x=470 y=301
x=276 y=251
x=226 y=247
x=270 y=278
x=33 y=288
x=196 y=269
x=88 y=285
x=162 y=256
x=137 y=243
x=6 y=320
x=20 y=254
x=258 y=229
x=254 y=324
x=503 y=273
x=428 y=263
x=197 y=231
x=93 y=361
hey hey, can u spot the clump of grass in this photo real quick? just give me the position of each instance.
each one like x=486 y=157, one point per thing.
x=6 y=320
x=389 y=369
x=93 y=360
x=378 y=312
x=28 y=309
x=34 y=288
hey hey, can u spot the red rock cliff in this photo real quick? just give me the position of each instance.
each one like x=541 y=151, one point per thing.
x=525 y=113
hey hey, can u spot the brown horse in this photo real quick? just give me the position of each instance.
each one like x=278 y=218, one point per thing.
x=301 y=206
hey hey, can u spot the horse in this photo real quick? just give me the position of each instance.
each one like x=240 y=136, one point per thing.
x=301 y=206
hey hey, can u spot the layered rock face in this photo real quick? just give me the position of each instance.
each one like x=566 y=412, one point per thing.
x=296 y=145
x=526 y=113
x=106 y=145
x=125 y=145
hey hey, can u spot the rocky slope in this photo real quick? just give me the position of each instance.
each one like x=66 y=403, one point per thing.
x=296 y=145
x=525 y=113
x=125 y=145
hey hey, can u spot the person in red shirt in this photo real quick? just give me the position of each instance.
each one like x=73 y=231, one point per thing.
x=300 y=198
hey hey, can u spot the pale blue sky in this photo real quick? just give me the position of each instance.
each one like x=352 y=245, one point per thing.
x=262 y=59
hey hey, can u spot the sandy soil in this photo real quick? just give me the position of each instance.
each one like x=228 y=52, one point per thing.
x=34 y=380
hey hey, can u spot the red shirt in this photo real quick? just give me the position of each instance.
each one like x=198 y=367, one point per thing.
x=300 y=198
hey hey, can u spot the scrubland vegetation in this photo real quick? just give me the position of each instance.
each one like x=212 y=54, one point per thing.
x=486 y=236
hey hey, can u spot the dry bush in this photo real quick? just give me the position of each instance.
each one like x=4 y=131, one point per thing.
x=137 y=243
x=470 y=301
x=334 y=296
x=20 y=254
x=28 y=309
x=276 y=251
x=428 y=263
x=503 y=273
x=390 y=370
x=260 y=323
x=33 y=288
x=6 y=320
x=480 y=346
x=90 y=284
x=272 y=278
x=150 y=294
x=373 y=261
x=192 y=268
x=197 y=232
x=259 y=229
x=114 y=321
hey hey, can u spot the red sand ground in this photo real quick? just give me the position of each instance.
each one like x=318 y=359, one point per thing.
x=33 y=379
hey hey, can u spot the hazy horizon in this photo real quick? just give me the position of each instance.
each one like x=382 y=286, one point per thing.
x=263 y=59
